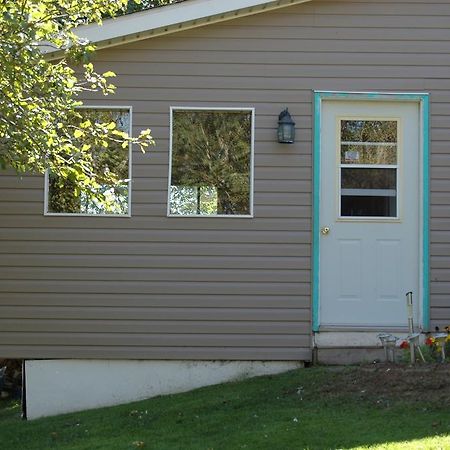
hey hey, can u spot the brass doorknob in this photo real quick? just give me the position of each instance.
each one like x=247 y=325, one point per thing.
x=325 y=230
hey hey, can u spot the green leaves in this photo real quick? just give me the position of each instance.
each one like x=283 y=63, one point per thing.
x=109 y=166
x=41 y=125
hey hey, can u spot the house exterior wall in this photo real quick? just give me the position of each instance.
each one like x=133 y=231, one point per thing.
x=153 y=287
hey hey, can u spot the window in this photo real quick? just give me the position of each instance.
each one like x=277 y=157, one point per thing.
x=63 y=197
x=211 y=171
x=369 y=168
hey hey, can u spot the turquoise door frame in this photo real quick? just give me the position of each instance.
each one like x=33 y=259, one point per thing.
x=423 y=99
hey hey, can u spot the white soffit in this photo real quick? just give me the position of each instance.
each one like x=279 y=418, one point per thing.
x=172 y=18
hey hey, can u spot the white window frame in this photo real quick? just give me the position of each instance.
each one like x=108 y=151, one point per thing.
x=130 y=164
x=252 y=160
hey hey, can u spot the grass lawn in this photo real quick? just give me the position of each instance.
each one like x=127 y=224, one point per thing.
x=317 y=408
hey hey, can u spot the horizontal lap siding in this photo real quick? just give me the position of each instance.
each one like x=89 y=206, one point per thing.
x=176 y=288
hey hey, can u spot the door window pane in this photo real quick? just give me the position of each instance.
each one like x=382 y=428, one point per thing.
x=368 y=206
x=369 y=131
x=368 y=154
x=368 y=188
x=368 y=178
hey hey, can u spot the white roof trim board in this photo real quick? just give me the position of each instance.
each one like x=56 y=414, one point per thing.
x=173 y=18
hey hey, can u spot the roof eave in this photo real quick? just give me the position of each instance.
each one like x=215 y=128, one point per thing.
x=171 y=19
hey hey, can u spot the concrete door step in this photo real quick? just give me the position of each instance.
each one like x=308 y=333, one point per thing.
x=351 y=347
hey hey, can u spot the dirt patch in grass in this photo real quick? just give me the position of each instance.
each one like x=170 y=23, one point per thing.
x=391 y=383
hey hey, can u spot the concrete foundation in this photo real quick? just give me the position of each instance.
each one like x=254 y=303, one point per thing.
x=348 y=356
x=62 y=386
x=351 y=347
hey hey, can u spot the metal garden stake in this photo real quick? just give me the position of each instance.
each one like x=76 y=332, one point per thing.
x=409 y=304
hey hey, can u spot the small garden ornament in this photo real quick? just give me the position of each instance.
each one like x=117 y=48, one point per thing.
x=388 y=341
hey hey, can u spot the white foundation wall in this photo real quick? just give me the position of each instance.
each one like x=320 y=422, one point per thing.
x=61 y=386
x=352 y=339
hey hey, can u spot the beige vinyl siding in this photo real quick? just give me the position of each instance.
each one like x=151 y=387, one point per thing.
x=218 y=288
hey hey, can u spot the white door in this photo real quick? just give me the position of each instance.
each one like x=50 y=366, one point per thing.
x=369 y=213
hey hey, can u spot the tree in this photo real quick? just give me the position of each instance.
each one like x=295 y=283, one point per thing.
x=139 y=5
x=41 y=125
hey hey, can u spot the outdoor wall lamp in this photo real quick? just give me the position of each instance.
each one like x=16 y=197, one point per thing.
x=286 y=128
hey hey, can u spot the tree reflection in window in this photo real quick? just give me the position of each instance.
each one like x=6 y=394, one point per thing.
x=211 y=162
x=369 y=131
x=64 y=196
